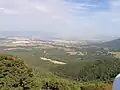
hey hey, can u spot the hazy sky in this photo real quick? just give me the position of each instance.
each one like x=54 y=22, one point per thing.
x=63 y=17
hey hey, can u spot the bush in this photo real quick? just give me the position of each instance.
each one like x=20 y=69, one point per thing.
x=14 y=74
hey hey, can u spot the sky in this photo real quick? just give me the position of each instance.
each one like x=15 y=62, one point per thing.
x=64 y=18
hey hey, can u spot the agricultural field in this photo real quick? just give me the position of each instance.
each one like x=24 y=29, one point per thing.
x=32 y=56
x=69 y=63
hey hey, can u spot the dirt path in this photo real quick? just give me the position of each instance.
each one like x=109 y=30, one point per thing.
x=53 y=61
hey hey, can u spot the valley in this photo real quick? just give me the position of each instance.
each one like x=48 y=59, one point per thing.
x=84 y=64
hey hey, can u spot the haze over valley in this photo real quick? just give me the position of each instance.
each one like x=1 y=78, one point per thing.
x=59 y=44
x=66 y=59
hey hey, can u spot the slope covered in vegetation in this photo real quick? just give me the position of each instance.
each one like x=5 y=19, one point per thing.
x=16 y=75
x=114 y=44
x=103 y=68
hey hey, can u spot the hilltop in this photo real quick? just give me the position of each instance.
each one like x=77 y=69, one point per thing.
x=114 y=44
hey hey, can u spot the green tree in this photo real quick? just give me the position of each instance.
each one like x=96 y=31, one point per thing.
x=14 y=74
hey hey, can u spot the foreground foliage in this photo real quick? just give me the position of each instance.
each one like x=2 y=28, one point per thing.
x=16 y=75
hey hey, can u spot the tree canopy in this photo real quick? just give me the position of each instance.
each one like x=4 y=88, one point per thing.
x=103 y=68
x=14 y=74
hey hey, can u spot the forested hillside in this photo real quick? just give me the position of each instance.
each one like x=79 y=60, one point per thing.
x=16 y=75
x=114 y=44
x=103 y=68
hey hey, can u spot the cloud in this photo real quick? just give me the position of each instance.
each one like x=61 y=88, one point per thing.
x=42 y=8
x=61 y=16
x=8 y=11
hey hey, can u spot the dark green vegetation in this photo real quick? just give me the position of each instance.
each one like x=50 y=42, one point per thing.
x=14 y=74
x=94 y=70
x=103 y=68
x=114 y=44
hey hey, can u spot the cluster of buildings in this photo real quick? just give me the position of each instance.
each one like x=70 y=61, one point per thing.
x=16 y=41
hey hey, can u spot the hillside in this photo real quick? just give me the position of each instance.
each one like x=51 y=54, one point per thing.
x=114 y=44
x=17 y=75
x=59 y=68
x=103 y=68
